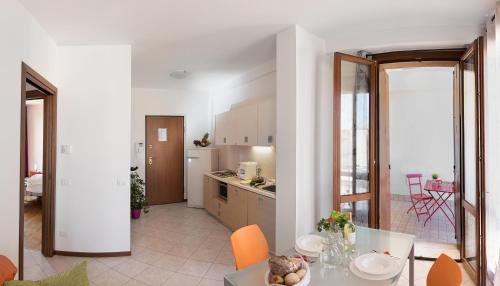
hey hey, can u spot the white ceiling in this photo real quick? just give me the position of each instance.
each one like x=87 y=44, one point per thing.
x=218 y=40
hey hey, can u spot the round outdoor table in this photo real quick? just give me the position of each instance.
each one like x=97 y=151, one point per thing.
x=441 y=192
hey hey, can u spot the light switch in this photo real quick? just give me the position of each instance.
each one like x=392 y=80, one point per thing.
x=66 y=149
x=65 y=182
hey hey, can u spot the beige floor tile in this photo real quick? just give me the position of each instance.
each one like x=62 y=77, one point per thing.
x=170 y=262
x=218 y=271
x=113 y=261
x=204 y=254
x=34 y=273
x=179 y=279
x=147 y=256
x=110 y=278
x=225 y=258
x=95 y=268
x=154 y=275
x=131 y=267
x=182 y=251
x=195 y=268
x=47 y=269
x=133 y=282
x=210 y=282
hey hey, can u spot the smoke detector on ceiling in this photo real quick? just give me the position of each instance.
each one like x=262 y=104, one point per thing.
x=179 y=74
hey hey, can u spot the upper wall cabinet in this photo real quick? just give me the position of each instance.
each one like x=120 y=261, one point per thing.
x=224 y=129
x=267 y=123
x=251 y=124
x=246 y=125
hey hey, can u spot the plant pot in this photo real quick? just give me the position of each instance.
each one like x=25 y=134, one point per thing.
x=136 y=213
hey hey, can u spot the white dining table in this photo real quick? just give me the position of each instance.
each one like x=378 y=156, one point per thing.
x=399 y=245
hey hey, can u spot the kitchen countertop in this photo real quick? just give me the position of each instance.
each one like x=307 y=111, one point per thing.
x=235 y=181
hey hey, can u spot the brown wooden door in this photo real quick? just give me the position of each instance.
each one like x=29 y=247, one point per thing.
x=354 y=161
x=164 y=159
x=472 y=195
x=384 y=175
x=457 y=152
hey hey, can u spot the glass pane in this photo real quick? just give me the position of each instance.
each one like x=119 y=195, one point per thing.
x=354 y=128
x=470 y=239
x=469 y=130
x=360 y=211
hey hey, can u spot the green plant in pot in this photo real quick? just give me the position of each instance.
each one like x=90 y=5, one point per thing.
x=435 y=176
x=138 y=200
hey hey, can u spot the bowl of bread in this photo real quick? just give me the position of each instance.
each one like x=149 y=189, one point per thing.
x=287 y=271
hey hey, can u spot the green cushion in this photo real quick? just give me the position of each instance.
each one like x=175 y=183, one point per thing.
x=23 y=283
x=74 y=277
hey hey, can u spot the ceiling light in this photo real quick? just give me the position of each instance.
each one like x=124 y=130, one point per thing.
x=179 y=74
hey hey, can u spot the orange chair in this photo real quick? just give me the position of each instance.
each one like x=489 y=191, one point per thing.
x=445 y=271
x=249 y=246
x=7 y=270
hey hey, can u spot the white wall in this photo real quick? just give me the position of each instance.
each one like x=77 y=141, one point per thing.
x=312 y=82
x=420 y=124
x=34 y=120
x=286 y=171
x=24 y=40
x=258 y=82
x=492 y=137
x=301 y=73
x=194 y=106
x=93 y=210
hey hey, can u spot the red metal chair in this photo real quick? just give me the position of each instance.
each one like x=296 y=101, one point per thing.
x=419 y=200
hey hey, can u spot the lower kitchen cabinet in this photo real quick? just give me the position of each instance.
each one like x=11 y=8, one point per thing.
x=262 y=211
x=221 y=209
x=236 y=211
x=210 y=195
x=242 y=208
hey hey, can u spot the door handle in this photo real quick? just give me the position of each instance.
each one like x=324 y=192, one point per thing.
x=150 y=160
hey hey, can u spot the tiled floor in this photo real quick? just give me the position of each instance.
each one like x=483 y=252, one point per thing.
x=438 y=228
x=436 y=237
x=171 y=245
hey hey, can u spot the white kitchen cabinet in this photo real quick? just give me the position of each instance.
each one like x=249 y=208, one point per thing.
x=267 y=122
x=224 y=128
x=246 y=125
x=252 y=124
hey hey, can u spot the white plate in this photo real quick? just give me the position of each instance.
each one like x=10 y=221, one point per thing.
x=306 y=253
x=367 y=276
x=310 y=243
x=376 y=264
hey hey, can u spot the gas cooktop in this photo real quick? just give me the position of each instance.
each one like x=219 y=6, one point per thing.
x=224 y=173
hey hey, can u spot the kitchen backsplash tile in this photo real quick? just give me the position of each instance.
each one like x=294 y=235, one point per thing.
x=231 y=156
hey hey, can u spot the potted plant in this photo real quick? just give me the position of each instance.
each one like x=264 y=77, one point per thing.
x=435 y=176
x=335 y=218
x=138 y=200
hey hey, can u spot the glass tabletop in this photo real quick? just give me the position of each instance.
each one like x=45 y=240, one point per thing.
x=367 y=240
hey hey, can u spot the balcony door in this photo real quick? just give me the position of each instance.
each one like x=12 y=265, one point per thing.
x=473 y=189
x=354 y=137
